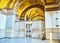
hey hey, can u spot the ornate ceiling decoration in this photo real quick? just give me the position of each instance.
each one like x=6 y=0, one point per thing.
x=51 y=5
x=20 y=6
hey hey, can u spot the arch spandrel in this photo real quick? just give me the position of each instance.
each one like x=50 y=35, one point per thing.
x=4 y=3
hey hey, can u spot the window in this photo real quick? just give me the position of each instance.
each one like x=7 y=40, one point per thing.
x=57 y=25
x=28 y=25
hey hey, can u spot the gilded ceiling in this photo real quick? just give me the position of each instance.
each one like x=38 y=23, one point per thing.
x=23 y=7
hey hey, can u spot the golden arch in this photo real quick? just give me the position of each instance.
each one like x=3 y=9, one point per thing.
x=26 y=6
x=34 y=7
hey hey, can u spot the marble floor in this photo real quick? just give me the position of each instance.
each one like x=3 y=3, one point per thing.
x=23 y=40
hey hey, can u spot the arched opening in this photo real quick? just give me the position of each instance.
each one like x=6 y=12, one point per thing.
x=34 y=15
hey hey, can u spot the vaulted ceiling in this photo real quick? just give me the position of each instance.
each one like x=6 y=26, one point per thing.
x=30 y=7
x=9 y=4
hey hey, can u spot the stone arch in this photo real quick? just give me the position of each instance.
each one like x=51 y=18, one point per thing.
x=33 y=6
